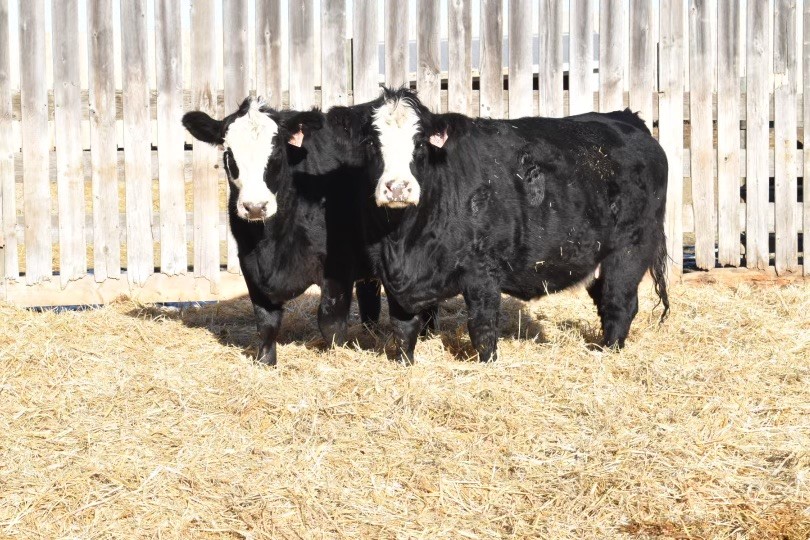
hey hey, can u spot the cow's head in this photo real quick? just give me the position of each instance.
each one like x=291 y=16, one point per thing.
x=251 y=138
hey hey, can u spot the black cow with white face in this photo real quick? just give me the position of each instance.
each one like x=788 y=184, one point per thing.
x=527 y=207
x=286 y=218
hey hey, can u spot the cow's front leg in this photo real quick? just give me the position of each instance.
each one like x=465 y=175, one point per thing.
x=368 y=300
x=333 y=311
x=483 y=300
x=268 y=323
x=406 y=328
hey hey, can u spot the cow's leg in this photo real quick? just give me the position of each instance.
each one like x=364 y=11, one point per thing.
x=621 y=273
x=406 y=328
x=333 y=311
x=268 y=323
x=368 y=300
x=483 y=300
x=595 y=292
x=430 y=320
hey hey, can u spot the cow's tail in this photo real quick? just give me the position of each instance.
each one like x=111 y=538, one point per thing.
x=658 y=270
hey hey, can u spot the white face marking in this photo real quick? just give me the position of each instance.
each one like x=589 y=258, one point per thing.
x=250 y=139
x=397 y=124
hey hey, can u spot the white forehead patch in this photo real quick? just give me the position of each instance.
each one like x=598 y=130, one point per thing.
x=396 y=123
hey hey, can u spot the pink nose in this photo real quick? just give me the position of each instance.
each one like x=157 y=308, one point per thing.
x=255 y=210
x=397 y=190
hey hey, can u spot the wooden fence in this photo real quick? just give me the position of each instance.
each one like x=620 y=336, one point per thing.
x=103 y=193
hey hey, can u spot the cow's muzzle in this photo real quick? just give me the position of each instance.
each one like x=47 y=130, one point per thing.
x=397 y=193
x=256 y=211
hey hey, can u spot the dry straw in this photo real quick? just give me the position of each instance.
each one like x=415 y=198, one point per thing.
x=133 y=421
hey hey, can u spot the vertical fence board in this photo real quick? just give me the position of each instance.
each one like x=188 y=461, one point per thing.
x=169 y=65
x=784 y=109
x=701 y=64
x=670 y=121
x=365 y=83
x=459 y=75
x=9 y=266
x=302 y=55
x=237 y=84
x=396 y=42
x=106 y=226
x=428 y=74
x=34 y=108
x=268 y=51
x=806 y=139
x=334 y=85
x=612 y=37
x=137 y=142
x=491 y=78
x=205 y=157
x=520 y=59
x=67 y=111
x=728 y=132
x=757 y=102
x=642 y=59
x=550 y=77
x=580 y=71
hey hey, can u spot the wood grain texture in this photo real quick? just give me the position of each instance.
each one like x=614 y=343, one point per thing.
x=670 y=121
x=205 y=156
x=302 y=55
x=459 y=74
x=757 y=99
x=520 y=58
x=784 y=103
x=428 y=73
x=365 y=83
x=34 y=117
x=334 y=65
x=701 y=71
x=491 y=102
x=268 y=51
x=580 y=71
x=171 y=138
x=9 y=265
x=396 y=43
x=728 y=133
x=642 y=59
x=612 y=38
x=550 y=77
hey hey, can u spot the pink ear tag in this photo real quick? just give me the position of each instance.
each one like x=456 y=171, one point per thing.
x=297 y=138
x=438 y=139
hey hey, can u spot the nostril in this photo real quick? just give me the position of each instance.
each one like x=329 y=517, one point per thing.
x=255 y=209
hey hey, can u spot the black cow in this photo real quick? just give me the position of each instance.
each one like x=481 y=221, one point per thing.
x=281 y=256
x=526 y=207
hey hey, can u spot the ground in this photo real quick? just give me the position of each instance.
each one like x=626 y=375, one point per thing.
x=133 y=421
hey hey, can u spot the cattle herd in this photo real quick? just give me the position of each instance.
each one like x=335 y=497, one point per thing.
x=432 y=205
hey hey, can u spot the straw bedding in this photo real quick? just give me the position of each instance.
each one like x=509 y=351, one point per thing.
x=134 y=421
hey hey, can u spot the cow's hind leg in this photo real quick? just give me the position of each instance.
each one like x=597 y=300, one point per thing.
x=616 y=292
x=368 y=300
x=430 y=320
x=406 y=328
x=333 y=311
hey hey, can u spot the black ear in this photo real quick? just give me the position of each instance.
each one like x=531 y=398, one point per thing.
x=204 y=128
x=301 y=125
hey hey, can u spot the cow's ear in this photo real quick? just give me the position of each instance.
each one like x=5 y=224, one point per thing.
x=438 y=139
x=203 y=128
x=301 y=125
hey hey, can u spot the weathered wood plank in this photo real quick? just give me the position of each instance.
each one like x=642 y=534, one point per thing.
x=459 y=75
x=642 y=59
x=365 y=84
x=69 y=174
x=428 y=74
x=237 y=81
x=671 y=123
x=137 y=142
x=728 y=132
x=520 y=59
x=491 y=73
x=784 y=76
x=9 y=265
x=580 y=70
x=550 y=77
x=612 y=37
x=34 y=105
x=334 y=67
x=396 y=43
x=268 y=51
x=302 y=55
x=171 y=139
x=757 y=101
x=806 y=133
x=206 y=157
x=701 y=71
